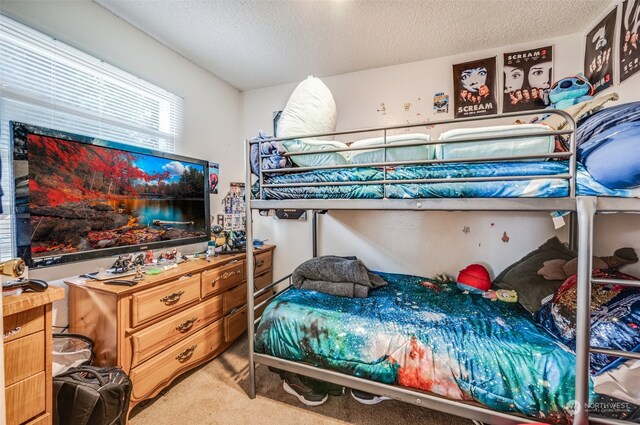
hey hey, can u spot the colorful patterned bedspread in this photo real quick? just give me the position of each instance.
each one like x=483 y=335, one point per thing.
x=421 y=334
x=529 y=188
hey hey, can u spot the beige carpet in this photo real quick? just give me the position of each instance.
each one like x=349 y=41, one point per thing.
x=216 y=394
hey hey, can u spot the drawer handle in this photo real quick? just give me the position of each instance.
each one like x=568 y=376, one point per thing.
x=259 y=263
x=172 y=298
x=225 y=275
x=186 y=354
x=186 y=325
x=12 y=332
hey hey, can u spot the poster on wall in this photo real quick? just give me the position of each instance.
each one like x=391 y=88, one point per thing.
x=440 y=103
x=474 y=85
x=528 y=75
x=629 y=39
x=598 y=60
x=214 y=176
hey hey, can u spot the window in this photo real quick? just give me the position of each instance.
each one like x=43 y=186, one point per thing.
x=47 y=83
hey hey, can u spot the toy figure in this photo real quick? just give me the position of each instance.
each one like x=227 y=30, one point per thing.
x=148 y=257
x=570 y=91
x=501 y=295
x=139 y=274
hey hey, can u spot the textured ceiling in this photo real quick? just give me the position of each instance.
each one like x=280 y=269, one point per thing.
x=254 y=43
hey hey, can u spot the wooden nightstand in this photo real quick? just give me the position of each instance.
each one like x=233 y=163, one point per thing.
x=27 y=356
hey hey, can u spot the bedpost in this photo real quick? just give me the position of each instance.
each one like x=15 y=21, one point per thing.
x=586 y=207
x=314 y=233
x=250 y=268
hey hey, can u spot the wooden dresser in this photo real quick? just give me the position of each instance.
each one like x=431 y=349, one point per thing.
x=168 y=323
x=27 y=356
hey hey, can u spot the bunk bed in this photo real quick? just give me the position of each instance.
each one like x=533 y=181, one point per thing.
x=389 y=183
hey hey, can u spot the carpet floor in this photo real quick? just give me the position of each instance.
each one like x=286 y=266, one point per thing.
x=216 y=394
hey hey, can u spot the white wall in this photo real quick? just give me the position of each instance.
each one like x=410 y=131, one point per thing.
x=212 y=108
x=421 y=243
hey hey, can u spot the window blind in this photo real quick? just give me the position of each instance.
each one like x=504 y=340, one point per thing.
x=47 y=83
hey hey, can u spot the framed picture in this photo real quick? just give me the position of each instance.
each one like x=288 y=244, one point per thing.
x=598 y=61
x=528 y=75
x=630 y=39
x=474 y=86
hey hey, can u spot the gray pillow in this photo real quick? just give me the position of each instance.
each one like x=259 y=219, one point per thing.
x=522 y=276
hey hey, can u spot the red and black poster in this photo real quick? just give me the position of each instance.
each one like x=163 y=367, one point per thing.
x=528 y=75
x=629 y=39
x=598 y=60
x=474 y=85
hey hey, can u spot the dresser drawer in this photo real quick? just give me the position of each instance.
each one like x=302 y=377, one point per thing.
x=157 y=337
x=23 y=323
x=40 y=420
x=235 y=324
x=155 y=302
x=161 y=369
x=263 y=280
x=262 y=262
x=25 y=399
x=23 y=357
x=233 y=298
x=221 y=278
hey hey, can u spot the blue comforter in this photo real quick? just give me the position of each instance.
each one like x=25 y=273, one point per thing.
x=421 y=334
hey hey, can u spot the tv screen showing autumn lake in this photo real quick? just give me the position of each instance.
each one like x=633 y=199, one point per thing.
x=85 y=197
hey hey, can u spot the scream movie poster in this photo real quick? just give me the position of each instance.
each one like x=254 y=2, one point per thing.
x=630 y=39
x=527 y=78
x=474 y=86
x=598 y=60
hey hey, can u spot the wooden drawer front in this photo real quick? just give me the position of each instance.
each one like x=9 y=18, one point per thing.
x=262 y=262
x=168 y=297
x=41 y=420
x=263 y=280
x=23 y=357
x=23 y=323
x=235 y=324
x=233 y=298
x=25 y=399
x=161 y=369
x=221 y=278
x=157 y=337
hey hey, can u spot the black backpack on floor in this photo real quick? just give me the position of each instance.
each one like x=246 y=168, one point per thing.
x=88 y=395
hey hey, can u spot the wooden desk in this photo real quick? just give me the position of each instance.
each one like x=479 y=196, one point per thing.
x=27 y=356
x=168 y=323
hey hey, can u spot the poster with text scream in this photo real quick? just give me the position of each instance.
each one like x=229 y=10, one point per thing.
x=598 y=61
x=528 y=75
x=474 y=86
x=630 y=39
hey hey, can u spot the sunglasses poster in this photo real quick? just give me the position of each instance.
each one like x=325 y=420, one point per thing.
x=528 y=76
x=629 y=39
x=598 y=59
x=474 y=86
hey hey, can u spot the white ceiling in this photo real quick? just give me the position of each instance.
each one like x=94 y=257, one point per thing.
x=255 y=43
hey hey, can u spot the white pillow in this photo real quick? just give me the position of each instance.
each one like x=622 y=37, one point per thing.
x=309 y=110
x=407 y=153
x=314 y=147
x=492 y=148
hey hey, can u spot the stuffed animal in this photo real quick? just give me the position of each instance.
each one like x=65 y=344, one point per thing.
x=561 y=269
x=570 y=91
x=475 y=279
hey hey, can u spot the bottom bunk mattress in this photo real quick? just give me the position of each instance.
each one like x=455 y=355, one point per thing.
x=430 y=336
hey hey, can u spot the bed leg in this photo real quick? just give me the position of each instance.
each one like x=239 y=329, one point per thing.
x=586 y=207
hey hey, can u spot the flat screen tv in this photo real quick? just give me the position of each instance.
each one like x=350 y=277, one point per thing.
x=79 y=198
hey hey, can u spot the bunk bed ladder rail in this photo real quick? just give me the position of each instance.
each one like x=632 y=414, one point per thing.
x=587 y=207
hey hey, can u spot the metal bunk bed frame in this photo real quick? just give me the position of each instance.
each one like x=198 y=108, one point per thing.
x=585 y=207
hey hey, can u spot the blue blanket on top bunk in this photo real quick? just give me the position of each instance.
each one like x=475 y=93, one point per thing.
x=428 y=336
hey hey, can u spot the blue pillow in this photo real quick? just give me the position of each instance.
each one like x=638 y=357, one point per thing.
x=612 y=157
x=615 y=318
x=605 y=119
